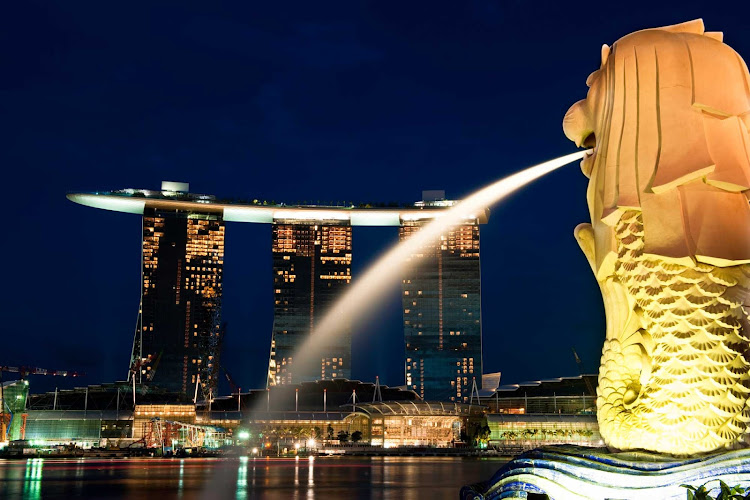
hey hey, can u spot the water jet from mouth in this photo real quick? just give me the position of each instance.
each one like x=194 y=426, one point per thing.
x=369 y=289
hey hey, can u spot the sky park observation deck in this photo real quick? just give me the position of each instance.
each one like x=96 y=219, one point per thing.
x=177 y=341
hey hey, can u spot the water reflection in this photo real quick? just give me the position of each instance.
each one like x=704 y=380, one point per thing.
x=79 y=472
x=182 y=473
x=242 y=478
x=253 y=483
x=32 y=481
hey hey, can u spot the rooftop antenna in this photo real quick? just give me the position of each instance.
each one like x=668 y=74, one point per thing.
x=376 y=394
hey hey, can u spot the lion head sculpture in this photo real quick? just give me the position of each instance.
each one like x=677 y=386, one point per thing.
x=667 y=117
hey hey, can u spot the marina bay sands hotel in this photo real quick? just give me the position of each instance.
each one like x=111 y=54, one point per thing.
x=178 y=337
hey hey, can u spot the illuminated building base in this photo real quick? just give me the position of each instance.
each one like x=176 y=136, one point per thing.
x=572 y=472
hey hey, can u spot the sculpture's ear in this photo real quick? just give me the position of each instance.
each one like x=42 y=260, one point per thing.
x=606 y=50
x=695 y=26
x=716 y=35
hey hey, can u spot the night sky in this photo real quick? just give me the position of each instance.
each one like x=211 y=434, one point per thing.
x=292 y=101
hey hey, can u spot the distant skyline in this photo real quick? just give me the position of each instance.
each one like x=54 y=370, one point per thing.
x=361 y=101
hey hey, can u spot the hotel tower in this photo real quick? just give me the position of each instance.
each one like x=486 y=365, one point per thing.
x=178 y=335
x=312 y=262
x=441 y=297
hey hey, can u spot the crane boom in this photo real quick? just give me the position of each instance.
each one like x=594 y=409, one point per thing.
x=590 y=388
x=33 y=370
x=232 y=383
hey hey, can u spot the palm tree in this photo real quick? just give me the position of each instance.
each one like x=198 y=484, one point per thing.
x=343 y=436
x=530 y=433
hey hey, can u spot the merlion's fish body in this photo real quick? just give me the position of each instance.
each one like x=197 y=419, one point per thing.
x=667 y=118
x=681 y=381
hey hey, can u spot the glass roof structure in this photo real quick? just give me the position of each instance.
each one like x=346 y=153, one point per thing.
x=419 y=408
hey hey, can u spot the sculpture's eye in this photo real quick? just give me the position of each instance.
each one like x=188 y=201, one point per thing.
x=589 y=141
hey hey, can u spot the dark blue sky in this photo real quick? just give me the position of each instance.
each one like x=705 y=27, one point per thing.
x=363 y=101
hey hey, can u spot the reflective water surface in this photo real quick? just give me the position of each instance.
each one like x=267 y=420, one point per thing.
x=243 y=478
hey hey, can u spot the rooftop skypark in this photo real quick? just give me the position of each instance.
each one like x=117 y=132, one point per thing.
x=175 y=196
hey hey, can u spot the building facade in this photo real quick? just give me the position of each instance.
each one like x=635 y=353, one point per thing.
x=441 y=297
x=311 y=269
x=178 y=337
x=178 y=332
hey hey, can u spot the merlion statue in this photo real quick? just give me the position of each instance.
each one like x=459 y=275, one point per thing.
x=667 y=117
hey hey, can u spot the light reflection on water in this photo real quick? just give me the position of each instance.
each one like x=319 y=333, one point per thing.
x=182 y=471
x=243 y=478
x=33 y=478
x=310 y=475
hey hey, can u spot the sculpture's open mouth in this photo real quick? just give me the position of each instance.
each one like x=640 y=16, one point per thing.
x=578 y=127
x=587 y=164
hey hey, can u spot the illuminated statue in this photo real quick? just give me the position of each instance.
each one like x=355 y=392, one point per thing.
x=667 y=118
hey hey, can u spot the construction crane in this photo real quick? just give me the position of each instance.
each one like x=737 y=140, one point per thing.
x=137 y=365
x=232 y=384
x=592 y=392
x=32 y=370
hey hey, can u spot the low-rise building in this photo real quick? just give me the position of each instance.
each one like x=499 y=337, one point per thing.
x=417 y=423
x=564 y=395
x=515 y=433
x=543 y=412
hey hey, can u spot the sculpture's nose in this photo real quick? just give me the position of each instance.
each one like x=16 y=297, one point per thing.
x=576 y=124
